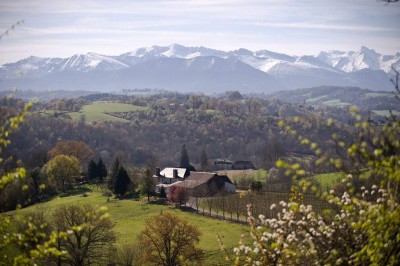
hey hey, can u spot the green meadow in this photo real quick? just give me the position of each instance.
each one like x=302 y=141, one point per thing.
x=131 y=215
x=97 y=112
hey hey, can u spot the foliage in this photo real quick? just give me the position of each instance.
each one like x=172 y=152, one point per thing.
x=204 y=165
x=63 y=170
x=113 y=174
x=78 y=149
x=256 y=186
x=178 y=195
x=163 y=195
x=93 y=171
x=184 y=161
x=122 y=182
x=7 y=127
x=169 y=241
x=362 y=225
x=102 y=170
x=31 y=236
x=149 y=185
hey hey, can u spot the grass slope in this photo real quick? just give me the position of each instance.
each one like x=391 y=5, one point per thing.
x=96 y=112
x=130 y=216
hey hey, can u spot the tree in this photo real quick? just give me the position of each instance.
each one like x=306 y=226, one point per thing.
x=89 y=236
x=204 y=160
x=184 y=161
x=149 y=185
x=78 y=149
x=63 y=170
x=178 y=195
x=114 y=171
x=171 y=241
x=102 y=170
x=163 y=195
x=122 y=182
x=9 y=240
x=93 y=171
x=361 y=225
x=256 y=186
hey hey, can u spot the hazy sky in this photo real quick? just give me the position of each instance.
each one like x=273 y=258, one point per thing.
x=296 y=27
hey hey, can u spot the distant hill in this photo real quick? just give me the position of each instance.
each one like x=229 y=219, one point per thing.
x=201 y=69
x=341 y=96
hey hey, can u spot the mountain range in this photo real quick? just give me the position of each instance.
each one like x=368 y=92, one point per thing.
x=201 y=69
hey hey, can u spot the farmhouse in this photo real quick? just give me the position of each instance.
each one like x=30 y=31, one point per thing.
x=199 y=184
x=171 y=175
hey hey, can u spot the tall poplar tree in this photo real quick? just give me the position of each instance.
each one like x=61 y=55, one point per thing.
x=113 y=174
x=184 y=162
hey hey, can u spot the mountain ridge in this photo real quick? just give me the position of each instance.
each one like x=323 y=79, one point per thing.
x=197 y=69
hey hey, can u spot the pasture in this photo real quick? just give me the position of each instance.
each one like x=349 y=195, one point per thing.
x=130 y=216
x=99 y=112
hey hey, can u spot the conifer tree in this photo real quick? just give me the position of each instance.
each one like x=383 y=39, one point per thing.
x=163 y=195
x=93 y=172
x=114 y=171
x=204 y=161
x=184 y=162
x=149 y=184
x=102 y=170
x=122 y=182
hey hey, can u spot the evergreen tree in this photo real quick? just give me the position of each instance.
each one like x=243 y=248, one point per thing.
x=184 y=163
x=114 y=171
x=122 y=181
x=102 y=170
x=149 y=184
x=204 y=161
x=163 y=195
x=93 y=172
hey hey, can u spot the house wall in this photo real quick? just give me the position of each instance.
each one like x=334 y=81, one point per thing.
x=231 y=188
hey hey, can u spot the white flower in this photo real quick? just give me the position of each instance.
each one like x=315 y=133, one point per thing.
x=331 y=191
x=272 y=206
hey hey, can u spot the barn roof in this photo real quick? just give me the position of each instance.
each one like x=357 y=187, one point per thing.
x=198 y=178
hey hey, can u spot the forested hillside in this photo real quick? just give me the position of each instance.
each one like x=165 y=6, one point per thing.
x=230 y=126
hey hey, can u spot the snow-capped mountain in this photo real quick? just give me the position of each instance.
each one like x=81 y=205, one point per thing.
x=183 y=68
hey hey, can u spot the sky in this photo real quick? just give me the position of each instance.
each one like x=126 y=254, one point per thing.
x=61 y=28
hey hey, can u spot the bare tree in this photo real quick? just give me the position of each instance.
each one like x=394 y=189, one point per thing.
x=89 y=235
x=170 y=241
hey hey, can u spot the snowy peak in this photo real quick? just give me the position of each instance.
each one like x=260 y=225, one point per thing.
x=365 y=58
x=91 y=61
x=177 y=66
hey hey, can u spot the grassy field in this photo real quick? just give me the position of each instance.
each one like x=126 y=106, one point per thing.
x=130 y=216
x=96 y=112
x=378 y=94
x=235 y=175
x=327 y=181
x=335 y=103
x=385 y=112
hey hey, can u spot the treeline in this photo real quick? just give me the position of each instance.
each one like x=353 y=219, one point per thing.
x=230 y=127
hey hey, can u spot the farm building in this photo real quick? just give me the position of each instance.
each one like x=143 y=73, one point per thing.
x=243 y=165
x=202 y=184
x=197 y=183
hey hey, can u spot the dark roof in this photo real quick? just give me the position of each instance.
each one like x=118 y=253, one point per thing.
x=198 y=178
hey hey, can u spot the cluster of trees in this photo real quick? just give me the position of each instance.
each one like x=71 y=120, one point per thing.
x=97 y=171
x=230 y=126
